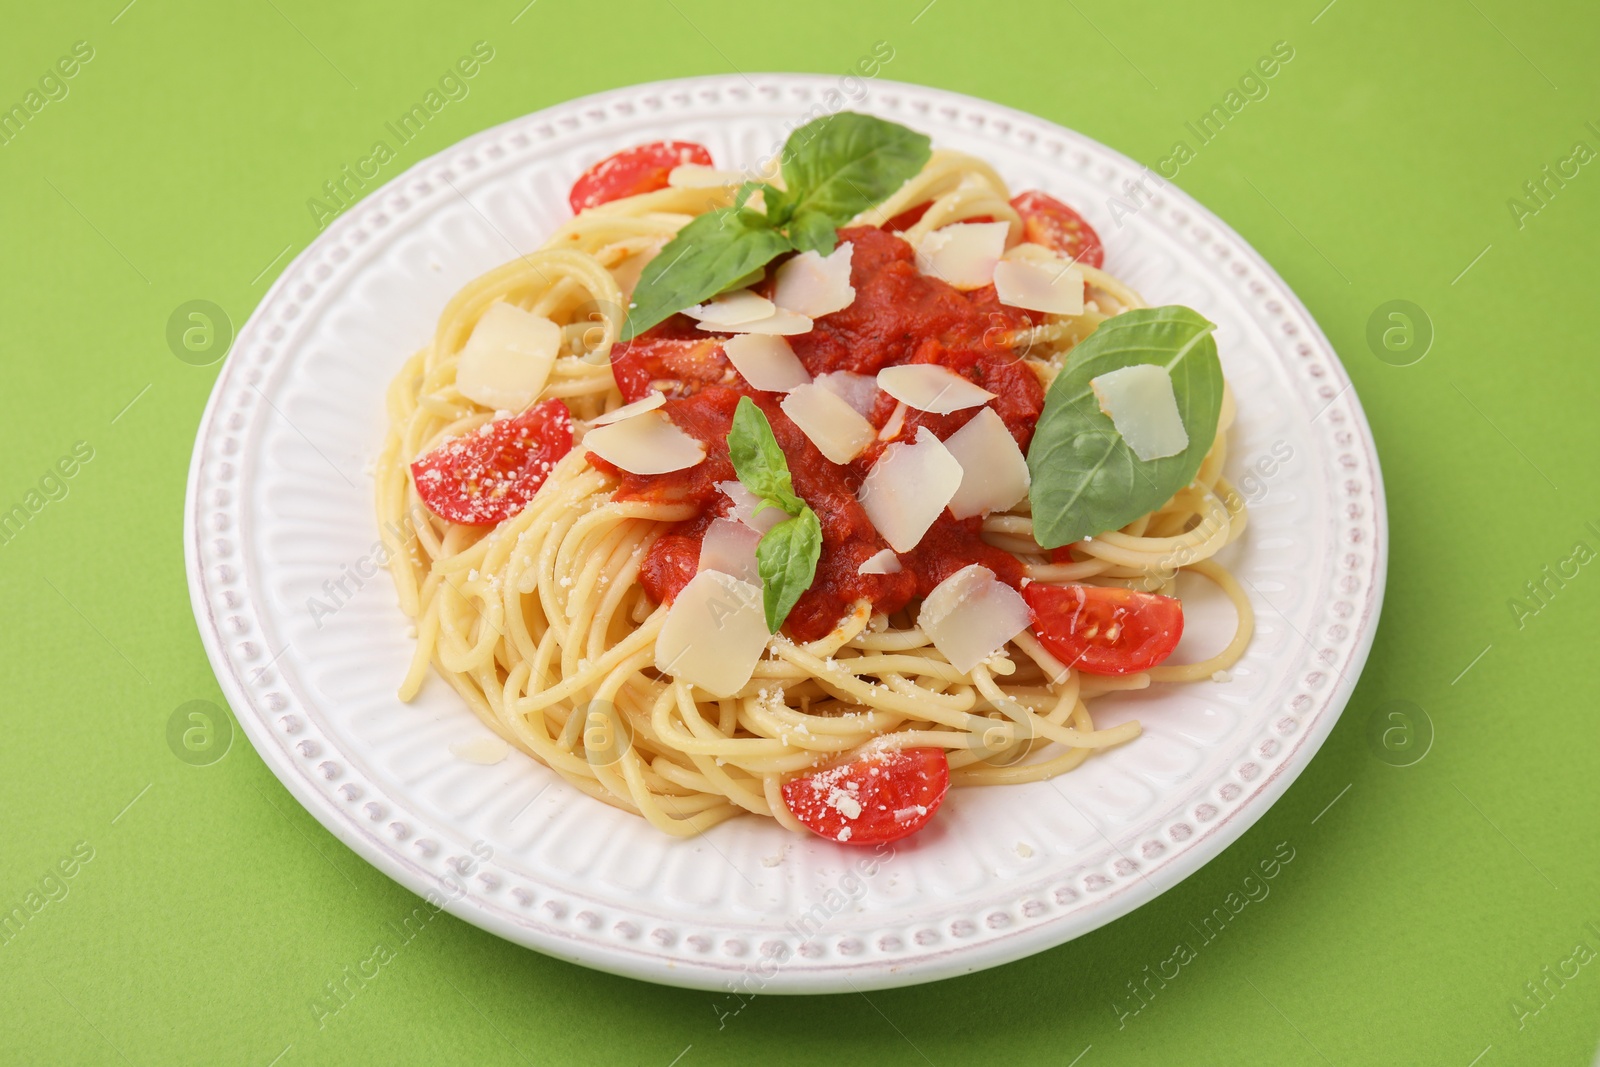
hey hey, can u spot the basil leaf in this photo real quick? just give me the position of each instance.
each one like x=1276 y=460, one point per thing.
x=745 y=282
x=758 y=460
x=835 y=168
x=787 y=558
x=780 y=205
x=1085 y=478
x=813 y=231
x=748 y=189
x=842 y=164
x=705 y=257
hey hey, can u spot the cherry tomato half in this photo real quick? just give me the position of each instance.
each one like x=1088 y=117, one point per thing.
x=677 y=366
x=490 y=475
x=642 y=169
x=1049 y=222
x=913 y=215
x=908 y=218
x=1104 y=630
x=880 y=797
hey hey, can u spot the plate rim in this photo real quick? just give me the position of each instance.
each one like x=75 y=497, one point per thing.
x=682 y=969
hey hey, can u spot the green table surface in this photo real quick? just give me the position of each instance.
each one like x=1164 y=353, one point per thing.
x=1439 y=912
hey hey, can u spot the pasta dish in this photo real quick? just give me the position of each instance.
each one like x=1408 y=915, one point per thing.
x=807 y=491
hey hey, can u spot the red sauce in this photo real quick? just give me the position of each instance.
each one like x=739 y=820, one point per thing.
x=898 y=316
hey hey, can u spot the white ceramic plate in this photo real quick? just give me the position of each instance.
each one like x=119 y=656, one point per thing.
x=279 y=504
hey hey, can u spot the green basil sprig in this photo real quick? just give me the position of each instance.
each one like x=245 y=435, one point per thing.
x=1085 y=478
x=786 y=556
x=835 y=168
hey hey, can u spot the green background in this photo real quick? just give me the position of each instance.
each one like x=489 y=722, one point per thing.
x=1379 y=168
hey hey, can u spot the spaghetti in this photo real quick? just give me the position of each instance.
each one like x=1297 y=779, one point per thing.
x=546 y=626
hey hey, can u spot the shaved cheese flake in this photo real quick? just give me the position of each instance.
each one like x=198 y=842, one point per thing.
x=645 y=444
x=627 y=272
x=971 y=615
x=930 y=387
x=730 y=547
x=628 y=411
x=1142 y=406
x=505 y=363
x=964 y=254
x=765 y=361
x=816 y=285
x=695 y=176
x=743 y=504
x=780 y=323
x=885 y=562
x=836 y=428
x=857 y=390
x=732 y=308
x=896 y=423
x=908 y=488
x=994 y=472
x=484 y=751
x=714 y=634
x=1053 y=288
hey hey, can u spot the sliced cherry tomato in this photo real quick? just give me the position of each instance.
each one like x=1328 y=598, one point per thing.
x=913 y=215
x=1063 y=554
x=1104 y=630
x=632 y=171
x=880 y=797
x=490 y=475
x=1049 y=222
x=908 y=218
x=676 y=366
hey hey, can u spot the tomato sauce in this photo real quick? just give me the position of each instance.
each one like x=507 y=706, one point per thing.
x=898 y=316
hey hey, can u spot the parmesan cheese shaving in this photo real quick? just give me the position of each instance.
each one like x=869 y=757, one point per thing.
x=1056 y=289
x=714 y=634
x=994 y=472
x=971 y=615
x=897 y=422
x=627 y=411
x=964 y=254
x=742 y=507
x=885 y=562
x=837 y=429
x=730 y=547
x=780 y=323
x=1142 y=406
x=506 y=361
x=732 y=308
x=628 y=271
x=765 y=361
x=484 y=751
x=857 y=390
x=816 y=285
x=645 y=444
x=931 y=387
x=908 y=488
